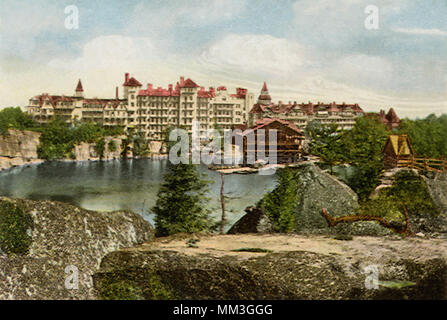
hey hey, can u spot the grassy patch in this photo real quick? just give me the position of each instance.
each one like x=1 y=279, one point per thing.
x=114 y=287
x=15 y=225
x=396 y=284
x=120 y=290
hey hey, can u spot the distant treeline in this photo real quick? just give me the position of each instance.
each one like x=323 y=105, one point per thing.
x=361 y=147
x=428 y=135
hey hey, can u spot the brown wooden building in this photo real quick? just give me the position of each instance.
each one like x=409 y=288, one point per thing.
x=288 y=141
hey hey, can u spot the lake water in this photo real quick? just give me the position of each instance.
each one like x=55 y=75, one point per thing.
x=124 y=184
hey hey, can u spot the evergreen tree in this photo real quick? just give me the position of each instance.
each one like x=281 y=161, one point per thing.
x=180 y=206
x=279 y=205
x=326 y=143
x=363 y=146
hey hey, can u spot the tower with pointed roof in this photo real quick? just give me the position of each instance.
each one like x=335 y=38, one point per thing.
x=264 y=98
x=79 y=92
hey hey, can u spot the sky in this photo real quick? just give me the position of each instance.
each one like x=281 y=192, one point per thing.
x=306 y=50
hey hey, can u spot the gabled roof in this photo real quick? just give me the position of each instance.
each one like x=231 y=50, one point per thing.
x=189 y=84
x=400 y=144
x=132 y=82
x=262 y=123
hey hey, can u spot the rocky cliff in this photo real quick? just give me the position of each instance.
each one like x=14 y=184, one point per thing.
x=68 y=244
x=87 y=151
x=276 y=267
x=18 y=148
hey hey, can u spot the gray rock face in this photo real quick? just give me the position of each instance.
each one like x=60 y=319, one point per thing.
x=437 y=186
x=317 y=190
x=18 y=148
x=296 y=268
x=68 y=243
x=86 y=151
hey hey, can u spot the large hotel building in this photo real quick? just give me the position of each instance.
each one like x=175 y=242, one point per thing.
x=301 y=114
x=151 y=110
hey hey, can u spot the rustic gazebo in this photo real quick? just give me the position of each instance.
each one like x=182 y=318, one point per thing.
x=397 y=148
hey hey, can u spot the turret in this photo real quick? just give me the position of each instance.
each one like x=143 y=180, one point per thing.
x=264 y=98
x=79 y=92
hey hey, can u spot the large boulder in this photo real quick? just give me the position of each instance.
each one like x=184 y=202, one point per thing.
x=67 y=243
x=276 y=267
x=316 y=190
x=254 y=221
x=437 y=187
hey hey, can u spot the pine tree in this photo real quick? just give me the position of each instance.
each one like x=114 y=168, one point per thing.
x=180 y=206
x=280 y=204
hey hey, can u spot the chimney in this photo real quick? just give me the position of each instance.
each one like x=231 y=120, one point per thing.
x=182 y=80
x=117 y=96
x=170 y=88
x=126 y=77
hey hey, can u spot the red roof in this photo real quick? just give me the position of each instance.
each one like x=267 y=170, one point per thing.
x=79 y=87
x=189 y=84
x=264 y=87
x=306 y=108
x=267 y=121
x=132 y=82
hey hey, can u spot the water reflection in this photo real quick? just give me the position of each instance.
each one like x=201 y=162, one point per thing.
x=123 y=184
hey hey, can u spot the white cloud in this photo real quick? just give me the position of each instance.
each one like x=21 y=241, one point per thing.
x=418 y=31
x=256 y=54
x=339 y=23
x=157 y=19
x=110 y=52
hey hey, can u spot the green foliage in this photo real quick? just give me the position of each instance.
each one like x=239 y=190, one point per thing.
x=428 y=136
x=326 y=143
x=279 y=205
x=15 y=118
x=58 y=138
x=100 y=147
x=360 y=147
x=111 y=146
x=363 y=146
x=412 y=190
x=56 y=141
x=120 y=290
x=408 y=189
x=180 y=205
x=140 y=145
x=14 y=224
x=157 y=290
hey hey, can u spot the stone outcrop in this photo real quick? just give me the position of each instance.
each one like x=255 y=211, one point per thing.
x=65 y=240
x=437 y=187
x=254 y=221
x=317 y=190
x=287 y=267
x=18 y=148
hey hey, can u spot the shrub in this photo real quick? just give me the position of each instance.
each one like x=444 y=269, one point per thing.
x=14 y=226
x=111 y=146
x=100 y=147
